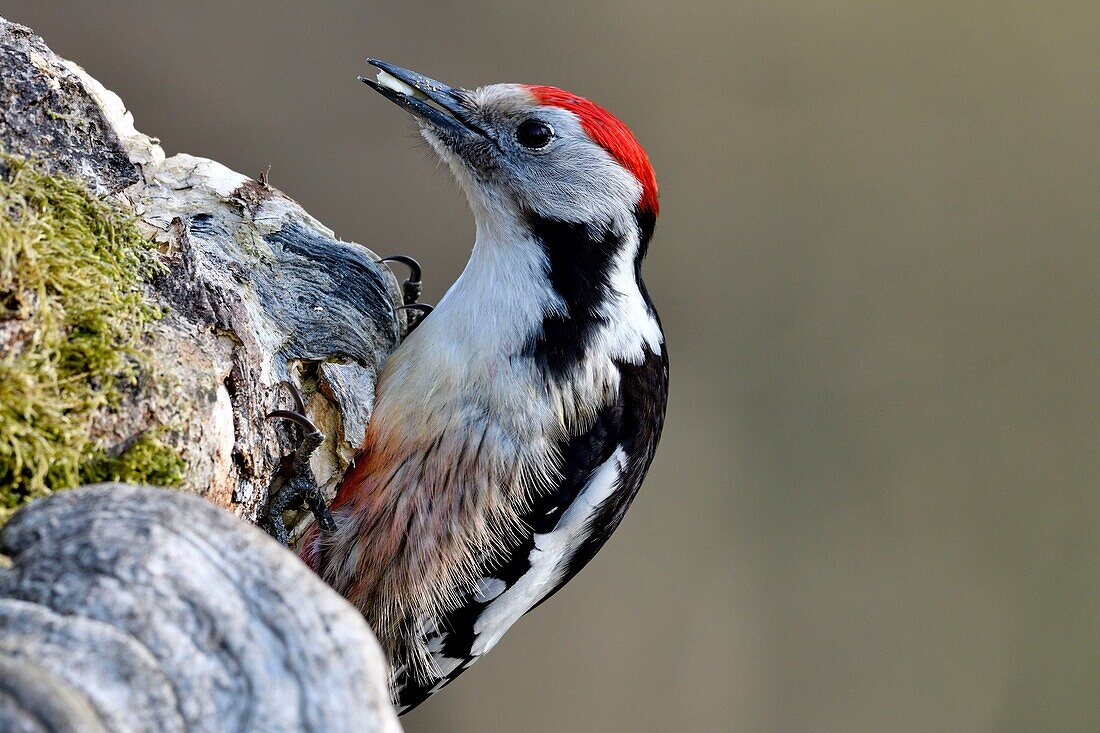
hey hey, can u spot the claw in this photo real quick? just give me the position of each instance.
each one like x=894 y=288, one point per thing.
x=301 y=486
x=412 y=287
x=296 y=395
x=416 y=307
x=298 y=414
x=295 y=417
x=412 y=321
x=412 y=264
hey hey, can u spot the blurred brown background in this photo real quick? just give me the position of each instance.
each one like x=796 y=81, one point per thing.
x=876 y=504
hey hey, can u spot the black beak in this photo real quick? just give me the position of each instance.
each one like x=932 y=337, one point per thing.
x=450 y=117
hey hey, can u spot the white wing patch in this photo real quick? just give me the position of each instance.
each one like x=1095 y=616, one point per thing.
x=549 y=557
x=488 y=589
x=446 y=664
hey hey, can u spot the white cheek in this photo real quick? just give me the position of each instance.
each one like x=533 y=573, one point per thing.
x=599 y=190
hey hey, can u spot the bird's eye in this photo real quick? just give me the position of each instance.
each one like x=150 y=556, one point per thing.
x=534 y=135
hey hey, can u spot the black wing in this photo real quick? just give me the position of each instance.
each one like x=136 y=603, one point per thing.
x=632 y=422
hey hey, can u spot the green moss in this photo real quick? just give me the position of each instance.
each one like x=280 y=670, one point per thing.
x=148 y=460
x=73 y=316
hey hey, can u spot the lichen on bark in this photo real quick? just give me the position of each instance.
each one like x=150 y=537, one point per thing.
x=73 y=321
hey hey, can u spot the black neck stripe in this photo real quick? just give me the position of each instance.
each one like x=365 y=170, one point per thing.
x=580 y=259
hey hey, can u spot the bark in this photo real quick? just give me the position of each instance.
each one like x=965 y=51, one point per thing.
x=257 y=291
x=146 y=609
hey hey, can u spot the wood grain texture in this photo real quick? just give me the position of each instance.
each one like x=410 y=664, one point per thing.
x=144 y=609
x=255 y=289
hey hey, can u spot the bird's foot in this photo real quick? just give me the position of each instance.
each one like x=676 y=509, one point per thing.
x=301 y=486
x=410 y=292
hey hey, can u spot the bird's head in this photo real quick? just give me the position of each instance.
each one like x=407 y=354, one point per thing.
x=518 y=149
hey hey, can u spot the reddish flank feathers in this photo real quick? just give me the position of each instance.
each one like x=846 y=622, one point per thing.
x=606 y=129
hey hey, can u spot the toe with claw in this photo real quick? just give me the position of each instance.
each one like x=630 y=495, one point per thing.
x=410 y=291
x=301 y=486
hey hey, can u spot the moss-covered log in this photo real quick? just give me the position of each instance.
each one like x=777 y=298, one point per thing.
x=151 y=307
x=74 y=323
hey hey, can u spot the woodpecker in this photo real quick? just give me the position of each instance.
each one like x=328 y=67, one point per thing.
x=513 y=427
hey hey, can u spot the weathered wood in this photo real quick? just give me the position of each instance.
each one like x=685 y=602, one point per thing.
x=257 y=290
x=143 y=609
